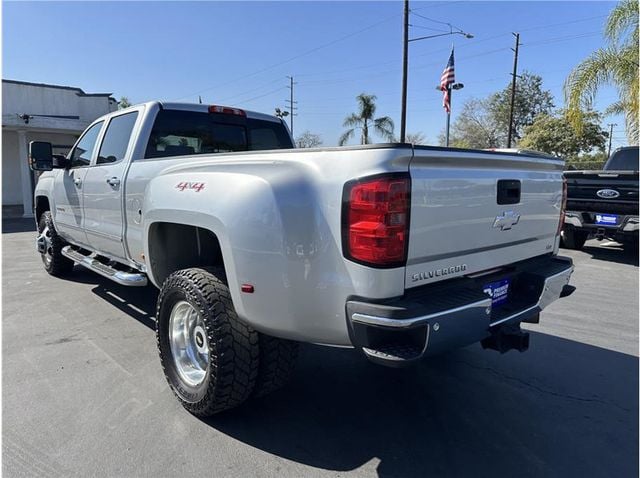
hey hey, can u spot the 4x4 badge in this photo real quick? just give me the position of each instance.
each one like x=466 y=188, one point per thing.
x=507 y=220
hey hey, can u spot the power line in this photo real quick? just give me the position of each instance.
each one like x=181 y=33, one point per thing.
x=468 y=44
x=563 y=38
x=452 y=27
x=251 y=90
x=262 y=96
x=290 y=59
x=427 y=28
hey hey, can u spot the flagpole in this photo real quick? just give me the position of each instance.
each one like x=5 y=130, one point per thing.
x=449 y=91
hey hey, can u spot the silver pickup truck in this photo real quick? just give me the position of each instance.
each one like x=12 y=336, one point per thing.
x=399 y=251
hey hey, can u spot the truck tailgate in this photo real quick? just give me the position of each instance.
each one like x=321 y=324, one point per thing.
x=475 y=211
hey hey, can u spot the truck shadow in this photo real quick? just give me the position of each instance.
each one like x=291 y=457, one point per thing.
x=564 y=408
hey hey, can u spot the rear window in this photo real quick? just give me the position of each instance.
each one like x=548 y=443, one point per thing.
x=178 y=133
x=623 y=160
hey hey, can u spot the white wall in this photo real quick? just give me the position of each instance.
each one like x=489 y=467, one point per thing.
x=32 y=99
x=18 y=98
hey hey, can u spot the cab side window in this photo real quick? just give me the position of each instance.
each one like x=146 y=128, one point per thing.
x=81 y=155
x=116 y=139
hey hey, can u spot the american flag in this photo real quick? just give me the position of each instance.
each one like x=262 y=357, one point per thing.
x=448 y=78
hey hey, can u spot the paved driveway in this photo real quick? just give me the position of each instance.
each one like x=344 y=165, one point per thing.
x=83 y=392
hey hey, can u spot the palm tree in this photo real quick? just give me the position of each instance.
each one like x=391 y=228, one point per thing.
x=616 y=64
x=363 y=120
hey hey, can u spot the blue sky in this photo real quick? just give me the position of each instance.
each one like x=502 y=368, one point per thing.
x=239 y=53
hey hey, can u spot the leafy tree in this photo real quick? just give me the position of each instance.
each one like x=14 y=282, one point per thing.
x=364 y=120
x=530 y=101
x=484 y=123
x=476 y=127
x=555 y=135
x=123 y=103
x=416 y=138
x=616 y=65
x=308 y=140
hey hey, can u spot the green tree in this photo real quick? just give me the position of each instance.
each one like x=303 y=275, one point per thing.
x=617 y=65
x=475 y=127
x=308 y=140
x=555 y=135
x=363 y=120
x=123 y=103
x=530 y=100
x=484 y=123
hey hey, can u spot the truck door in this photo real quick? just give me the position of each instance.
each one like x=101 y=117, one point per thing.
x=103 y=187
x=69 y=183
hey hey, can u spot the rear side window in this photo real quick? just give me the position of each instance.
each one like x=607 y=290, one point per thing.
x=116 y=139
x=81 y=155
x=178 y=133
x=623 y=160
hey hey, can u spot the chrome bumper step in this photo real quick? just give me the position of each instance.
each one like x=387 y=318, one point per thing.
x=135 y=279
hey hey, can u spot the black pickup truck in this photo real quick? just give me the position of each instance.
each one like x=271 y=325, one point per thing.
x=603 y=204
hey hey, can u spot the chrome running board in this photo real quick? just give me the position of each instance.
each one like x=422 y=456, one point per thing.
x=136 y=279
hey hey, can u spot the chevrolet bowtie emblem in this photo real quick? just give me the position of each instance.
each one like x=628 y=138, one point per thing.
x=507 y=220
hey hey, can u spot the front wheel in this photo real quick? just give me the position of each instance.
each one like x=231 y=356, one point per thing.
x=50 y=245
x=572 y=239
x=209 y=357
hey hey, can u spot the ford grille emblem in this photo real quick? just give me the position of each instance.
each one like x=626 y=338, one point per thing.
x=608 y=193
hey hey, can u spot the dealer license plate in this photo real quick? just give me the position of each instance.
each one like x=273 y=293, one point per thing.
x=498 y=291
x=606 y=219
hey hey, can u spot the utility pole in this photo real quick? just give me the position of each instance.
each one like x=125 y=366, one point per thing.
x=513 y=88
x=611 y=125
x=405 y=65
x=292 y=103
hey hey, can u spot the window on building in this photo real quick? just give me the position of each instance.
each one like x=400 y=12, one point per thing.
x=116 y=139
x=81 y=155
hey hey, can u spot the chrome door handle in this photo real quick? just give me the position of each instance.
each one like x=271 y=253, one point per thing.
x=115 y=182
x=77 y=181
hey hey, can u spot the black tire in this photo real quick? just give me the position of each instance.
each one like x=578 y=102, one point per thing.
x=233 y=346
x=54 y=262
x=278 y=359
x=572 y=239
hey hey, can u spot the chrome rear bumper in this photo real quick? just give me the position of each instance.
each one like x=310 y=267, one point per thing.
x=454 y=314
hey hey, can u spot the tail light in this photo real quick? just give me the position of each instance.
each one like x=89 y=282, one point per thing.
x=226 y=110
x=375 y=220
x=563 y=206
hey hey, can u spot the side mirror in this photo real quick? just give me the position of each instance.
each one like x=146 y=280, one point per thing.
x=40 y=156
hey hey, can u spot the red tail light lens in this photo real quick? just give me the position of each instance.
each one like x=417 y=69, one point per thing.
x=563 y=207
x=375 y=220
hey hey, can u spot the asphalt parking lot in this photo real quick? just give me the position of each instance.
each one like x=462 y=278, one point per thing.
x=83 y=392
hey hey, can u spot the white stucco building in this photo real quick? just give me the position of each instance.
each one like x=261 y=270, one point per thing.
x=40 y=112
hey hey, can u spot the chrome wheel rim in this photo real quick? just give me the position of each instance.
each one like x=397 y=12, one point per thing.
x=45 y=237
x=189 y=345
